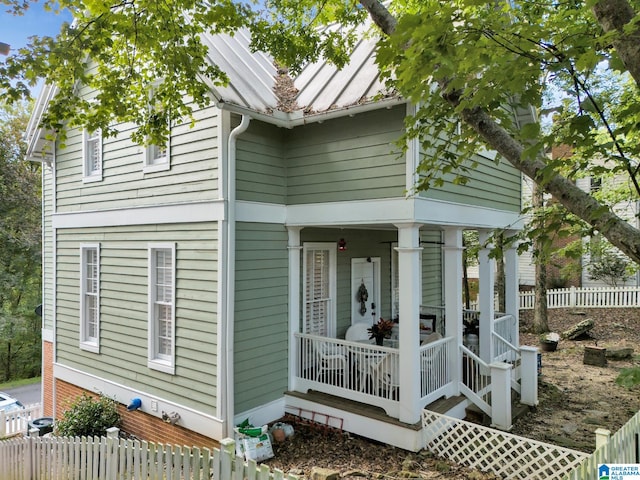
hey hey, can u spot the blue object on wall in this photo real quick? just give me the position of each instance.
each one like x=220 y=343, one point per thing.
x=136 y=403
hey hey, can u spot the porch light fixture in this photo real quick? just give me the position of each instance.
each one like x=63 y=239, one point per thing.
x=342 y=245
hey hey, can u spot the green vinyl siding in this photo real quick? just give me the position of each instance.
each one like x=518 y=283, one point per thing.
x=261 y=314
x=260 y=165
x=193 y=175
x=349 y=158
x=360 y=244
x=431 y=243
x=490 y=185
x=123 y=309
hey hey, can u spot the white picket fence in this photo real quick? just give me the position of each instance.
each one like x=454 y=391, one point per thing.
x=16 y=422
x=594 y=297
x=621 y=447
x=111 y=458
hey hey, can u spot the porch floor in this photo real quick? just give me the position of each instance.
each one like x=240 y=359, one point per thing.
x=442 y=405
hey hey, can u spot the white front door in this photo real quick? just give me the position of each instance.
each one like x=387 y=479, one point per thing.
x=365 y=290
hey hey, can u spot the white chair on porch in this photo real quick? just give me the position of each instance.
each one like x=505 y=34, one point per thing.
x=357 y=332
x=332 y=362
x=388 y=375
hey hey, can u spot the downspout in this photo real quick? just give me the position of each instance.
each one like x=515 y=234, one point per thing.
x=230 y=272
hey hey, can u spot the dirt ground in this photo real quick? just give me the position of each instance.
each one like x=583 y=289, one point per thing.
x=575 y=399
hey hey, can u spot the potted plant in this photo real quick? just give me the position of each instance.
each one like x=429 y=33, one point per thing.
x=549 y=342
x=380 y=330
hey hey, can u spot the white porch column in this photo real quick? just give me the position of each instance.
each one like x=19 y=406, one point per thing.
x=486 y=288
x=409 y=339
x=294 y=300
x=452 y=252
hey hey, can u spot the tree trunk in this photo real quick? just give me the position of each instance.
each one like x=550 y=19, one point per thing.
x=576 y=201
x=540 y=319
x=615 y=15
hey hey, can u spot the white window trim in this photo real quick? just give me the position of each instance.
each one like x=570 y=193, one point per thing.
x=89 y=344
x=166 y=365
x=87 y=176
x=333 y=291
x=161 y=164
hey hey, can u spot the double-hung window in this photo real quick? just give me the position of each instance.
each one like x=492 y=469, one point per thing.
x=92 y=156
x=162 y=307
x=90 y=297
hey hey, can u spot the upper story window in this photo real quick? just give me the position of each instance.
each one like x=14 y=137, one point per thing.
x=90 y=297
x=92 y=156
x=157 y=157
x=162 y=307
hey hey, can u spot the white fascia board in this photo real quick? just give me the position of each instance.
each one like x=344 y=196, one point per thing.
x=383 y=212
x=439 y=212
x=191 y=419
x=369 y=212
x=212 y=211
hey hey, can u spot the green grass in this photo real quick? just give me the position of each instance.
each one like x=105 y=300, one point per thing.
x=19 y=383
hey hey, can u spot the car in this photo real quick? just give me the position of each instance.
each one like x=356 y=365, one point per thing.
x=9 y=404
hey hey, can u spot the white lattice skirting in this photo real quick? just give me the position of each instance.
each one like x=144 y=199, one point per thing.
x=489 y=450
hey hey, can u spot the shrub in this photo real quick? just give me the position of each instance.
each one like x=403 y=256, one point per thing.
x=88 y=417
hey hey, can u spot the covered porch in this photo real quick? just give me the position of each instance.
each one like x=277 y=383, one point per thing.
x=410 y=372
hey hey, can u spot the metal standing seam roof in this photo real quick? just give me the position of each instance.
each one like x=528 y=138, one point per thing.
x=321 y=86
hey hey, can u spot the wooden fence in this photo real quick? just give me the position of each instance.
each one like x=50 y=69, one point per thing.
x=16 y=422
x=597 y=297
x=112 y=458
x=621 y=447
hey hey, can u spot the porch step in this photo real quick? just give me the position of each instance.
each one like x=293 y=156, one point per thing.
x=445 y=405
x=474 y=414
x=350 y=406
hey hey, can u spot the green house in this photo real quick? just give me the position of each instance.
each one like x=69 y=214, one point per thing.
x=233 y=273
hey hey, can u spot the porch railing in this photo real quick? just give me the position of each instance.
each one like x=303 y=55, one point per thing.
x=435 y=369
x=358 y=371
x=369 y=373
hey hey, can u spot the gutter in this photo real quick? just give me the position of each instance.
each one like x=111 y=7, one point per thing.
x=230 y=274
x=297 y=118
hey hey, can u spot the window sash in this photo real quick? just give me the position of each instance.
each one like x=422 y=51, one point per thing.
x=92 y=153
x=90 y=297
x=162 y=307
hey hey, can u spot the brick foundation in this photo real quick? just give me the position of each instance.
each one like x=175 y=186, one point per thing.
x=47 y=379
x=142 y=425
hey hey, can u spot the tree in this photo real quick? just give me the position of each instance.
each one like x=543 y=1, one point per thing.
x=20 y=246
x=471 y=67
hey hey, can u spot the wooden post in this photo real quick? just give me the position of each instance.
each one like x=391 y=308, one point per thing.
x=529 y=376
x=501 y=395
x=602 y=437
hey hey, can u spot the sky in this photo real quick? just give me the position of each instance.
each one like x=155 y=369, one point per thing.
x=15 y=30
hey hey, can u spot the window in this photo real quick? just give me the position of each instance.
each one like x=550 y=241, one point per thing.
x=92 y=156
x=595 y=184
x=157 y=157
x=320 y=289
x=90 y=297
x=162 y=307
